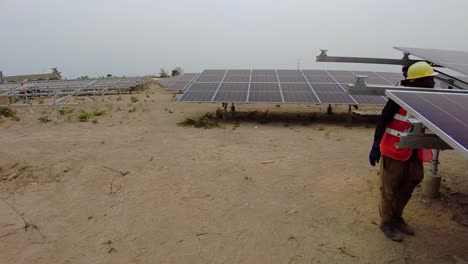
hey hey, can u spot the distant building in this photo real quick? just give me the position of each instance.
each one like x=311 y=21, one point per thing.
x=54 y=75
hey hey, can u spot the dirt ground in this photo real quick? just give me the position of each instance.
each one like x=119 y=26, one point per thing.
x=136 y=187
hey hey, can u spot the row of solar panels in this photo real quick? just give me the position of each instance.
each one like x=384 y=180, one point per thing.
x=178 y=83
x=279 y=86
x=121 y=84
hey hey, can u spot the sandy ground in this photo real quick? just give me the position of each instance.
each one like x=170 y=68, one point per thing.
x=246 y=193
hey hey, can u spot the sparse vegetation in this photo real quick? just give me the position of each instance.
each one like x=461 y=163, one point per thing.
x=66 y=110
x=44 y=119
x=163 y=73
x=7 y=112
x=94 y=121
x=98 y=112
x=13 y=100
x=132 y=110
x=176 y=71
x=208 y=120
x=134 y=99
x=84 y=116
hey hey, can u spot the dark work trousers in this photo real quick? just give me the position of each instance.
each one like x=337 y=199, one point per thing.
x=397 y=182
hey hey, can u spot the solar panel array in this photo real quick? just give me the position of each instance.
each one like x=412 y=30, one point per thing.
x=61 y=86
x=284 y=86
x=451 y=59
x=178 y=83
x=443 y=113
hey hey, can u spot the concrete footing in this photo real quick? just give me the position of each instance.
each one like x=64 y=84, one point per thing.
x=431 y=185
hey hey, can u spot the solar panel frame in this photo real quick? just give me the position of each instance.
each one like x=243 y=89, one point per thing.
x=451 y=59
x=441 y=115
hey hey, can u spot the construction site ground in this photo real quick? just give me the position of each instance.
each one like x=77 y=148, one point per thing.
x=290 y=185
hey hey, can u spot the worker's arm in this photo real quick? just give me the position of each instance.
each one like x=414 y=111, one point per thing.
x=390 y=109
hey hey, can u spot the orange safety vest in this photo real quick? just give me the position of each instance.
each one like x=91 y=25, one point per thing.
x=392 y=135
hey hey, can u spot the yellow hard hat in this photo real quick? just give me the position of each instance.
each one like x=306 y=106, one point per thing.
x=419 y=70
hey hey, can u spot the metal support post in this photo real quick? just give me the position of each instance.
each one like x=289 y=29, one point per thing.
x=225 y=105
x=349 y=118
x=329 y=109
x=233 y=109
x=431 y=183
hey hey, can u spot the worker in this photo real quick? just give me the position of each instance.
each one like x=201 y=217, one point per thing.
x=401 y=168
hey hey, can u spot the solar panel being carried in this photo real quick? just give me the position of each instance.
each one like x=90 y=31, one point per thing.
x=445 y=114
x=283 y=86
x=451 y=59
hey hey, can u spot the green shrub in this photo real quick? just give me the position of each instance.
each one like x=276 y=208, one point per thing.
x=84 y=116
x=134 y=99
x=7 y=112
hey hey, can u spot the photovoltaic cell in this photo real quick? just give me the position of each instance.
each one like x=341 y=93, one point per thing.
x=292 y=78
x=234 y=87
x=295 y=87
x=327 y=88
x=197 y=96
x=369 y=99
x=179 y=85
x=204 y=87
x=377 y=80
x=289 y=72
x=238 y=72
x=264 y=78
x=229 y=96
x=446 y=115
x=213 y=72
x=315 y=72
x=237 y=78
x=336 y=98
x=320 y=79
x=210 y=78
x=264 y=87
x=263 y=72
x=346 y=79
x=265 y=97
x=299 y=97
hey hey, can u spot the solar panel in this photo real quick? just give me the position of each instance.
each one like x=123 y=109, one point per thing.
x=281 y=86
x=445 y=114
x=79 y=86
x=451 y=59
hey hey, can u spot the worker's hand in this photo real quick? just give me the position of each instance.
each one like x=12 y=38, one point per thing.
x=374 y=155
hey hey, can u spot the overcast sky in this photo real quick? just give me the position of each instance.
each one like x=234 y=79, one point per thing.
x=138 y=37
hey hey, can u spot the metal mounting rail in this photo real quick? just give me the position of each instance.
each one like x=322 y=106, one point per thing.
x=323 y=57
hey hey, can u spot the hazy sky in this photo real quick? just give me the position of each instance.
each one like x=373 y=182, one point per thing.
x=137 y=37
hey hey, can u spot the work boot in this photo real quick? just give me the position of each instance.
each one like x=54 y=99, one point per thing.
x=401 y=225
x=391 y=231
